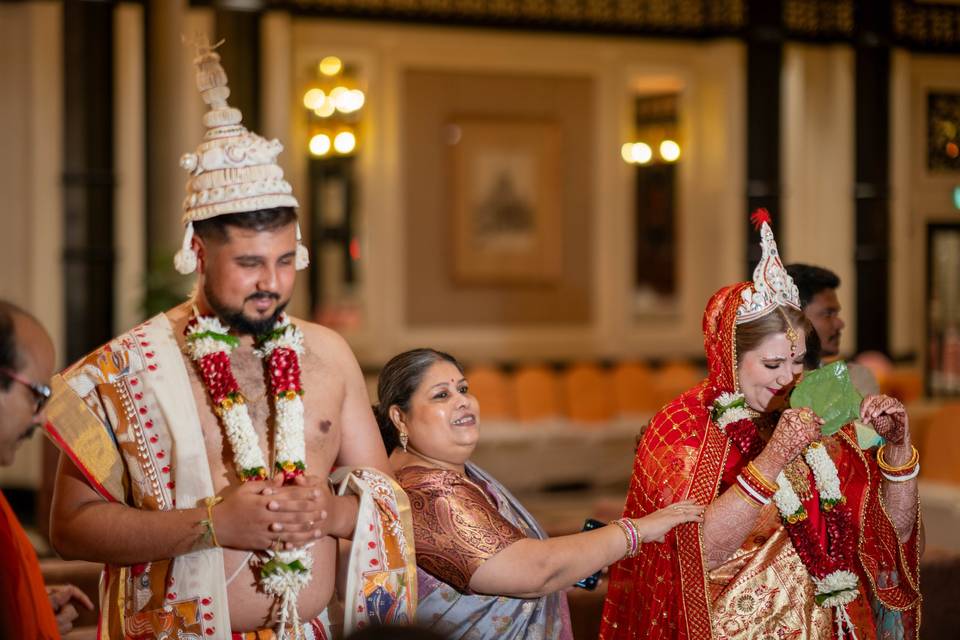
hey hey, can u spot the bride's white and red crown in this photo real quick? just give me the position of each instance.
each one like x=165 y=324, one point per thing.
x=772 y=285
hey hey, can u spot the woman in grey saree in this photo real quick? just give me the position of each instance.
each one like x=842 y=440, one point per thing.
x=485 y=567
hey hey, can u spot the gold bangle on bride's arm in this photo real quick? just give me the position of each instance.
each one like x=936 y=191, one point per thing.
x=207 y=524
x=899 y=473
x=743 y=495
x=768 y=484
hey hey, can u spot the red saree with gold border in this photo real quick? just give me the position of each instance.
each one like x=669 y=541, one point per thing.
x=763 y=591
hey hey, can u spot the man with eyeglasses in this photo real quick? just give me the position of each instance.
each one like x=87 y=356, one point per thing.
x=28 y=609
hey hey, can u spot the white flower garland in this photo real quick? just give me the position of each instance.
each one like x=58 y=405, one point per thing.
x=841 y=587
x=788 y=502
x=285 y=585
x=731 y=407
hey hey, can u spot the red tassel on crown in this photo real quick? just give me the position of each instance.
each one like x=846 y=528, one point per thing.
x=760 y=216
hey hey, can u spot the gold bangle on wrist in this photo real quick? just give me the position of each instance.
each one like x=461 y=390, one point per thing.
x=904 y=468
x=631 y=534
x=762 y=479
x=746 y=498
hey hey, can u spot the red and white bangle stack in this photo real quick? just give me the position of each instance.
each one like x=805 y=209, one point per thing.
x=752 y=485
x=634 y=539
x=900 y=473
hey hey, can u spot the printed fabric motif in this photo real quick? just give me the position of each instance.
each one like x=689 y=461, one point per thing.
x=456 y=526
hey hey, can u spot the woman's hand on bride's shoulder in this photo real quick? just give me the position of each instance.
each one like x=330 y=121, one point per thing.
x=654 y=526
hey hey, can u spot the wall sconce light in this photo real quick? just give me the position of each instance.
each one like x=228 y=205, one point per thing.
x=636 y=153
x=669 y=150
x=642 y=153
x=320 y=145
x=330 y=66
x=334 y=99
x=345 y=142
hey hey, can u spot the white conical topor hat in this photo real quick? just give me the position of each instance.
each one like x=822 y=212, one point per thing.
x=233 y=170
x=772 y=285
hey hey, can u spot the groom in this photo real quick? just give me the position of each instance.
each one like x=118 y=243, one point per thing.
x=195 y=466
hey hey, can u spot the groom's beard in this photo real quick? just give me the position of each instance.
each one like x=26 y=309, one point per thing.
x=237 y=320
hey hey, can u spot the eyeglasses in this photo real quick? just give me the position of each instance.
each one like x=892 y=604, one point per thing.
x=41 y=392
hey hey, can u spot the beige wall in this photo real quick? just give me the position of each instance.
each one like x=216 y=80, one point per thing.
x=30 y=179
x=919 y=195
x=433 y=100
x=817 y=160
x=818 y=152
x=129 y=164
x=711 y=203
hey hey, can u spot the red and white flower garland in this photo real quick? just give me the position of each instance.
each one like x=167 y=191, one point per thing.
x=830 y=565
x=283 y=573
x=282 y=348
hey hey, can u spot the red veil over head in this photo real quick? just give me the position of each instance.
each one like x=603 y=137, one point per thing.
x=662 y=593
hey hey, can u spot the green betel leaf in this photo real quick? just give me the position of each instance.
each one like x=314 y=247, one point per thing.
x=829 y=392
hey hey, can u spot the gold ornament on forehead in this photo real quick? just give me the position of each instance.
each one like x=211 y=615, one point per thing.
x=794 y=338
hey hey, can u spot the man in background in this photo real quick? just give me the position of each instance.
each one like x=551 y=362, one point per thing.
x=818 y=297
x=27 y=608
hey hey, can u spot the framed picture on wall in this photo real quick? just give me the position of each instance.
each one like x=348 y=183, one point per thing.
x=505 y=187
x=943 y=309
x=943 y=131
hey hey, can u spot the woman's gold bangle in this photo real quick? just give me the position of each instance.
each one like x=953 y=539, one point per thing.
x=758 y=475
x=632 y=536
x=743 y=496
x=889 y=468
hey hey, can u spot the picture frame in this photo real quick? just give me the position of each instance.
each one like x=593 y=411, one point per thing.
x=943 y=131
x=506 y=190
x=943 y=310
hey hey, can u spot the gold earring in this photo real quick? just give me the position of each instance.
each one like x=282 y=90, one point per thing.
x=404 y=438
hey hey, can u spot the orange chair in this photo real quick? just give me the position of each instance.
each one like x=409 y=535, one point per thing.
x=536 y=393
x=492 y=389
x=634 y=389
x=673 y=379
x=587 y=393
x=941 y=446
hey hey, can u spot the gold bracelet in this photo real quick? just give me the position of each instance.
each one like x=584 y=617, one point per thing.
x=208 y=523
x=746 y=498
x=632 y=536
x=762 y=479
x=889 y=468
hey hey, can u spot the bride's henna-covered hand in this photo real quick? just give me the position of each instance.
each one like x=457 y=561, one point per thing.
x=730 y=518
x=888 y=417
x=796 y=429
